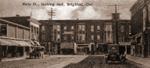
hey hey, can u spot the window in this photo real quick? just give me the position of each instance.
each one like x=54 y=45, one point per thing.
x=65 y=27
x=81 y=37
x=98 y=37
x=72 y=37
x=72 y=27
x=98 y=27
x=43 y=28
x=58 y=36
x=109 y=37
x=92 y=37
x=58 y=27
x=92 y=28
x=81 y=27
x=108 y=28
x=122 y=28
x=3 y=29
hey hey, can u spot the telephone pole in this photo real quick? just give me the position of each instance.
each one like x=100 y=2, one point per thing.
x=51 y=13
x=115 y=19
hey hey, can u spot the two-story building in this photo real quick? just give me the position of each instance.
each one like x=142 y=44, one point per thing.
x=18 y=35
x=14 y=36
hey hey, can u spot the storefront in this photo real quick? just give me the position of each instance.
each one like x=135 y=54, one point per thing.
x=14 y=48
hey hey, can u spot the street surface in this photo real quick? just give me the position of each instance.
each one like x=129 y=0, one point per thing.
x=64 y=61
x=98 y=62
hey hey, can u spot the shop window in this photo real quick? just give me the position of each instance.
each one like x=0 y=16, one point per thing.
x=3 y=30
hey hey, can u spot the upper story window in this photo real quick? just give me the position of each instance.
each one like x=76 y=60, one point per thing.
x=81 y=27
x=72 y=27
x=43 y=28
x=58 y=27
x=108 y=28
x=92 y=37
x=98 y=37
x=98 y=27
x=65 y=27
x=92 y=28
x=3 y=29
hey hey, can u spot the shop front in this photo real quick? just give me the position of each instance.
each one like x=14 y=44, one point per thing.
x=11 y=48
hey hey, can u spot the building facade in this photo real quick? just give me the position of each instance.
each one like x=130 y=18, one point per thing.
x=14 y=36
x=18 y=35
x=140 y=28
x=85 y=31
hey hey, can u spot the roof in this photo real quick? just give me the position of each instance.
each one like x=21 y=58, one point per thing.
x=21 y=20
x=83 y=21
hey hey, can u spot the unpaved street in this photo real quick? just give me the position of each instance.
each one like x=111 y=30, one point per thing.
x=64 y=61
x=98 y=62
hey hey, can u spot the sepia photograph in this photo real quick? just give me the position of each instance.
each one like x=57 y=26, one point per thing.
x=74 y=33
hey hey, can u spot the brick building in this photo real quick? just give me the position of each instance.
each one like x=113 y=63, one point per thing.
x=140 y=28
x=84 y=31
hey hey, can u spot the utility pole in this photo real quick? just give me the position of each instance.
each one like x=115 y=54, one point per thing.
x=51 y=13
x=116 y=23
x=116 y=17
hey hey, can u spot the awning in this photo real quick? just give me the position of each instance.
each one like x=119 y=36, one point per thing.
x=4 y=42
x=7 y=42
x=23 y=43
x=10 y=42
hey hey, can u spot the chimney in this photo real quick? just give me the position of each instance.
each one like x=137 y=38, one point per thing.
x=17 y=15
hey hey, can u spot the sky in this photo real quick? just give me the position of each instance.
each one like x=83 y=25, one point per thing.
x=99 y=9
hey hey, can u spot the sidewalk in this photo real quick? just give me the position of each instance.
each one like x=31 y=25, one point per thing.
x=139 y=61
x=13 y=59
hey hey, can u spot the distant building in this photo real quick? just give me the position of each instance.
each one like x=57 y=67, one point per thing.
x=140 y=24
x=84 y=31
